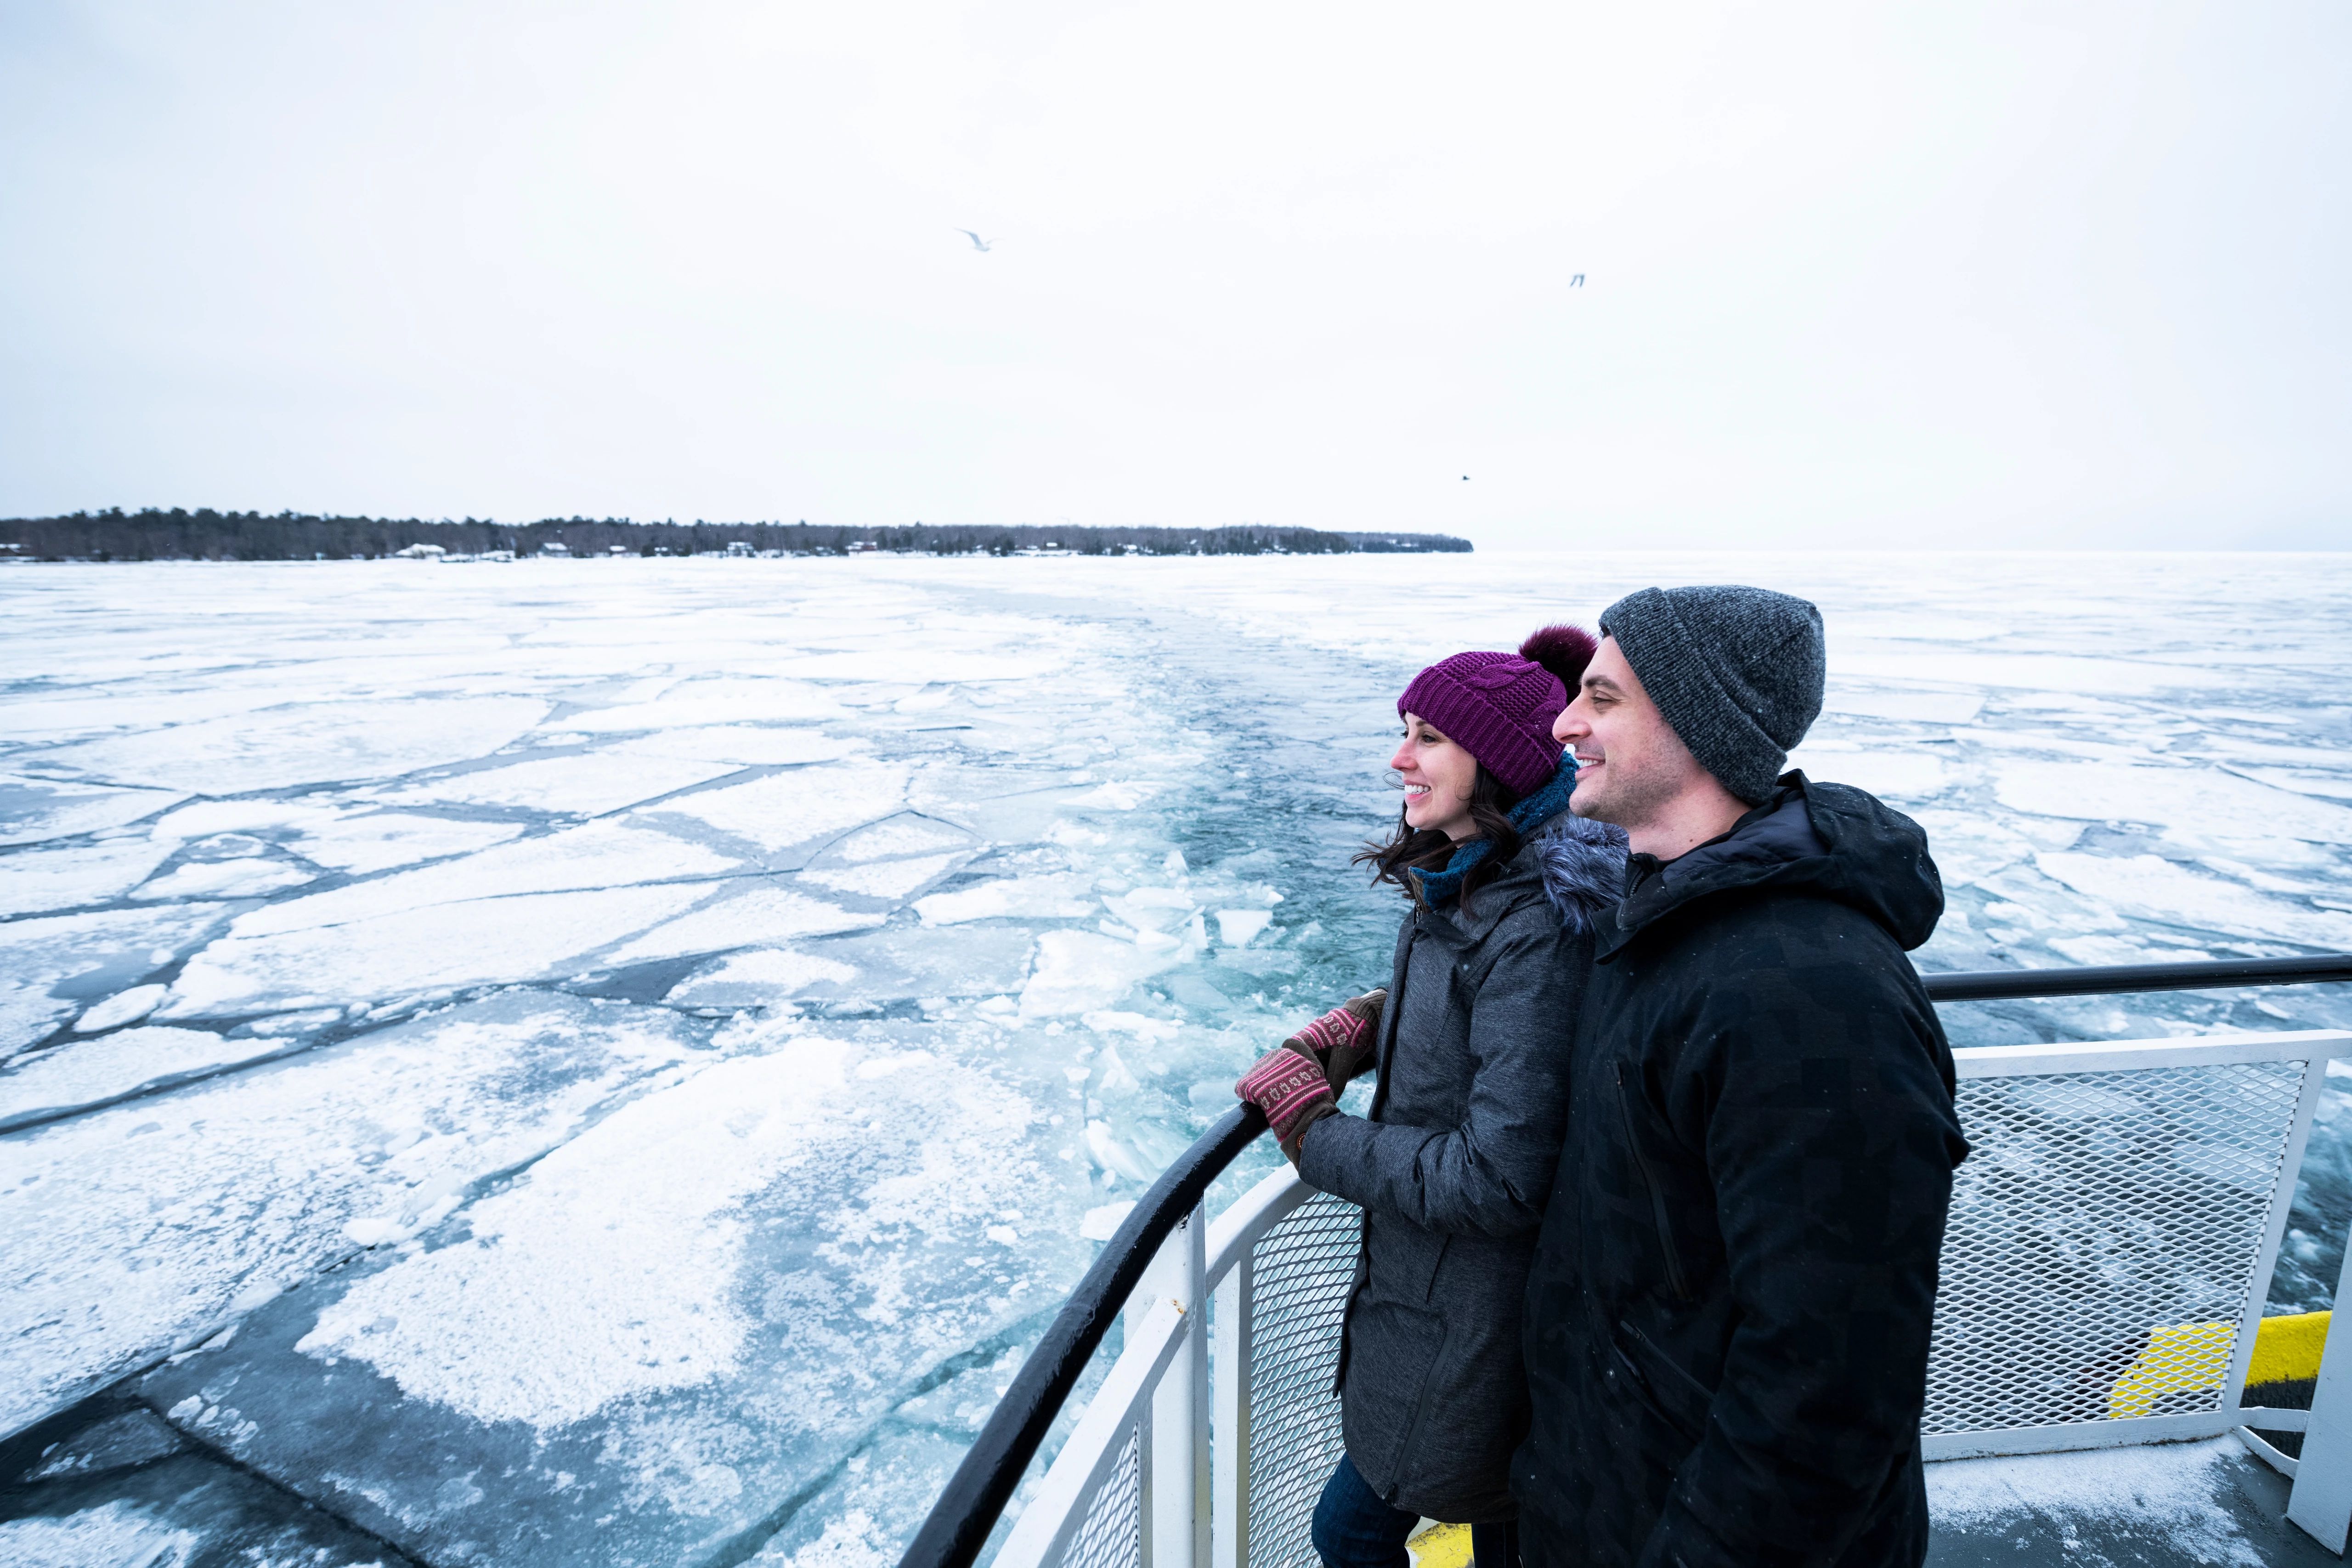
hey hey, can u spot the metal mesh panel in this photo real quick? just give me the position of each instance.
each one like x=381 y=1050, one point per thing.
x=1112 y=1536
x=1301 y=1271
x=2102 y=1242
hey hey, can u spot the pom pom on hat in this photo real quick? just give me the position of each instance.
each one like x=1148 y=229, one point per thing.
x=1563 y=649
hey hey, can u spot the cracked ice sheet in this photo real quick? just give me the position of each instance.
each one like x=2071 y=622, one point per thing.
x=33 y=810
x=2193 y=802
x=313 y=744
x=140 y=1228
x=415 y=951
x=716 y=700
x=672 y=1324
x=587 y=784
x=51 y=968
x=597 y=855
x=86 y=1072
x=792 y=811
x=36 y=881
x=359 y=841
x=2151 y=886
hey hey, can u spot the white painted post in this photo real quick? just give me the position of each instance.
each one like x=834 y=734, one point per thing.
x=1176 y=1514
x=2242 y=1353
x=1230 y=1539
x=2322 y=1499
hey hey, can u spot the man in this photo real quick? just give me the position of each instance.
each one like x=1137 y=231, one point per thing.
x=1727 y=1319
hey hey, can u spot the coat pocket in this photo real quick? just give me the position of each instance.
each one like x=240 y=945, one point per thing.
x=1392 y=1362
x=1672 y=1394
x=1405 y=1261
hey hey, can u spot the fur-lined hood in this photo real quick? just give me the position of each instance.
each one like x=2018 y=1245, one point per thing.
x=1583 y=868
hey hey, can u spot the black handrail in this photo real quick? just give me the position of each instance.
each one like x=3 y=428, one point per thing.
x=2209 y=975
x=976 y=1494
x=960 y=1522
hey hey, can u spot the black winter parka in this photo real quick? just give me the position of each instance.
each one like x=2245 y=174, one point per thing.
x=1728 y=1315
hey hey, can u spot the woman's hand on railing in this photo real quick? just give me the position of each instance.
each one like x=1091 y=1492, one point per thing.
x=1288 y=1085
x=1341 y=1040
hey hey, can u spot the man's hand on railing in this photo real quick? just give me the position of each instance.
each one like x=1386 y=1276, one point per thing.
x=1341 y=1040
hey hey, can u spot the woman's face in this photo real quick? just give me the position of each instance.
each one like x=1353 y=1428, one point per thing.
x=1438 y=775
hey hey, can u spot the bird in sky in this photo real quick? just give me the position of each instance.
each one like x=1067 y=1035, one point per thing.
x=977 y=243
x=1465 y=479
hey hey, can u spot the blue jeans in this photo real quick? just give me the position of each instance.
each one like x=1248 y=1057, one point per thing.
x=1354 y=1529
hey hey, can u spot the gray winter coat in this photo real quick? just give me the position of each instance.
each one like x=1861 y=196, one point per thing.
x=1453 y=1169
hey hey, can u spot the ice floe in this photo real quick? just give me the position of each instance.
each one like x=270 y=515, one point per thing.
x=750 y=911
x=33 y=810
x=35 y=881
x=411 y=952
x=690 y=1311
x=356 y=840
x=801 y=809
x=85 y=1073
x=51 y=968
x=140 y=1229
x=308 y=743
x=2200 y=803
x=586 y=784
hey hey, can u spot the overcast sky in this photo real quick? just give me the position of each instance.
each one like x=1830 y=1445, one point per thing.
x=2002 y=274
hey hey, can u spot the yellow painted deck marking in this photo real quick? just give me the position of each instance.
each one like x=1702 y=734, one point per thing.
x=2196 y=1356
x=1439 y=1546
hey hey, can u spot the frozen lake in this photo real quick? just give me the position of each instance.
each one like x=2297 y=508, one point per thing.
x=611 y=1061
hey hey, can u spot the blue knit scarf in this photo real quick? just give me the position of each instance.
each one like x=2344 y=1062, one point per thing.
x=1441 y=887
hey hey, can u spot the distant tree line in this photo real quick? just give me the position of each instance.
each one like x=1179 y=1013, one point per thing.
x=204 y=534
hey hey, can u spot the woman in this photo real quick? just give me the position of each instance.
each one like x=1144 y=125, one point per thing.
x=1471 y=1042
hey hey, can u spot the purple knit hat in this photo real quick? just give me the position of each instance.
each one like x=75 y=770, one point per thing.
x=1500 y=707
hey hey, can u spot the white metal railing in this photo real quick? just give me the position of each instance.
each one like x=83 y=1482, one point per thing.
x=2115 y=1193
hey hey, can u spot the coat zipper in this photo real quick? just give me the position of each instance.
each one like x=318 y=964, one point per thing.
x=1675 y=1281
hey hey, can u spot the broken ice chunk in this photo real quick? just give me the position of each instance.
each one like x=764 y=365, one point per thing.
x=32 y=810
x=758 y=976
x=711 y=701
x=749 y=911
x=93 y=1072
x=1051 y=898
x=883 y=878
x=312 y=742
x=803 y=807
x=1238 y=927
x=247 y=879
x=122 y=1008
x=481 y=941
x=1079 y=971
x=586 y=784
x=47 y=966
x=42 y=879
x=138 y=1264
x=746 y=745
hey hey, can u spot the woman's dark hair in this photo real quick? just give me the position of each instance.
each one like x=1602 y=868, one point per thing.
x=1413 y=848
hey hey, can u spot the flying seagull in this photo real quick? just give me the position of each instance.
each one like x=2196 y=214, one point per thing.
x=977 y=243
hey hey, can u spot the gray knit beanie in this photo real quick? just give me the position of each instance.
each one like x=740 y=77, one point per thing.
x=1737 y=672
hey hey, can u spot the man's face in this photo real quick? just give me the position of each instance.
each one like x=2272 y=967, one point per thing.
x=1629 y=761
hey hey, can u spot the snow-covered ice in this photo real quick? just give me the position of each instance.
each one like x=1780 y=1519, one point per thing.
x=615 y=1062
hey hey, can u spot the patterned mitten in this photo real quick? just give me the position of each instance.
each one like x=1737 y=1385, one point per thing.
x=1342 y=1039
x=1289 y=1087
